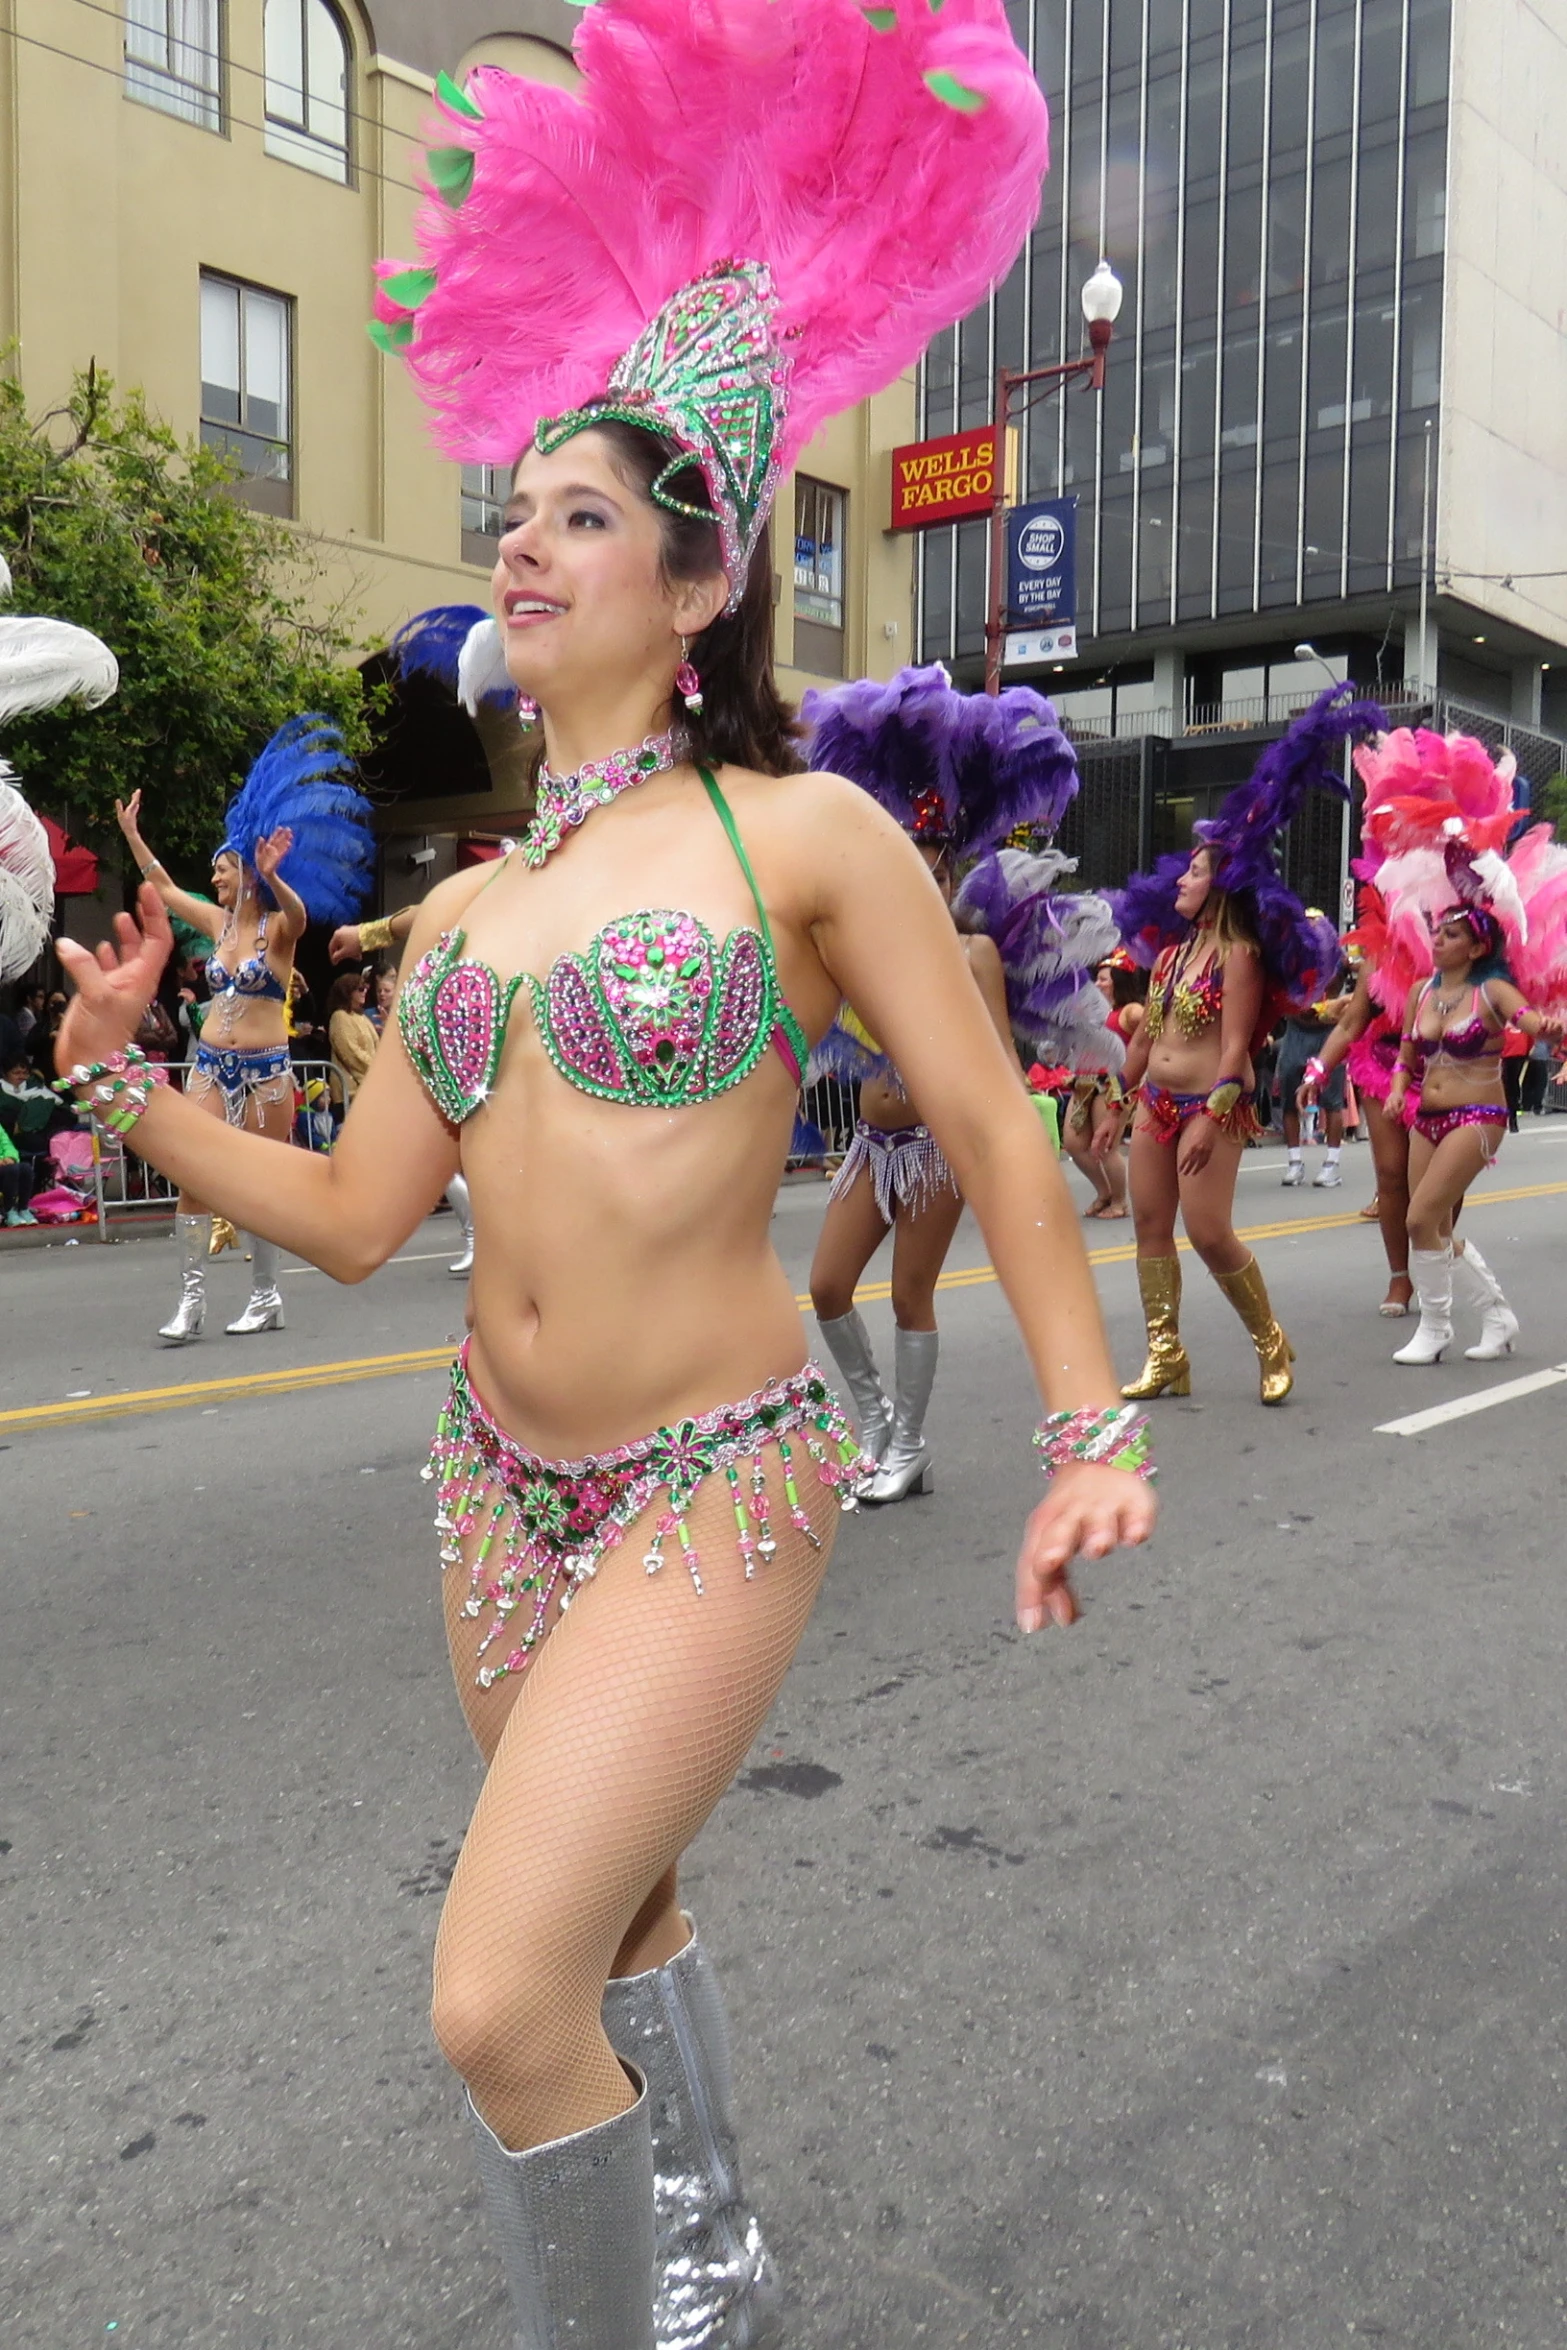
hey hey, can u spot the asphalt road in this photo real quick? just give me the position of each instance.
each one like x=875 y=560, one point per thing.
x=1190 y=1982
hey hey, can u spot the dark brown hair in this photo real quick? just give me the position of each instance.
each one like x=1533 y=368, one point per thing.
x=340 y=997
x=744 y=719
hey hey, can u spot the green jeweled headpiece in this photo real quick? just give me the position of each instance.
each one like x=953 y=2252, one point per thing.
x=707 y=371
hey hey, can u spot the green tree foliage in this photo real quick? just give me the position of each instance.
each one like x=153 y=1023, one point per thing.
x=1550 y=802
x=108 y=519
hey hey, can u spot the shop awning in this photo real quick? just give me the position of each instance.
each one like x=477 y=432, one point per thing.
x=75 y=869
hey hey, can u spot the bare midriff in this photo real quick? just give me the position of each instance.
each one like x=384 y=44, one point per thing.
x=883 y=1102
x=1447 y=1083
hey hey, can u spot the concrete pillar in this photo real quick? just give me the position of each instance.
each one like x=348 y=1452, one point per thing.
x=1526 y=693
x=1419 y=676
x=1169 y=677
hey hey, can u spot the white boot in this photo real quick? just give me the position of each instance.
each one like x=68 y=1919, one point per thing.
x=457 y=1194
x=1474 y=1284
x=848 y=1342
x=1431 y=1271
x=905 y=1465
x=265 y=1310
x=193 y=1233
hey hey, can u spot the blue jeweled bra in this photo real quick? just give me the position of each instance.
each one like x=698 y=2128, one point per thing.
x=655 y=1014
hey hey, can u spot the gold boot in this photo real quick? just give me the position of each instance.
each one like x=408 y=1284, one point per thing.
x=1248 y=1294
x=1168 y=1370
x=223 y=1236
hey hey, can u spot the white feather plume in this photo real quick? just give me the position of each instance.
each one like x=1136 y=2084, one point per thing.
x=26 y=881
x=481 y=667
x=5 y=577
x=44 y=662
x=1502 y=891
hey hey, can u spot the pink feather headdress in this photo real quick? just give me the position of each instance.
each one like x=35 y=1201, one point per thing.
x=1439 y=810
x=752 y=214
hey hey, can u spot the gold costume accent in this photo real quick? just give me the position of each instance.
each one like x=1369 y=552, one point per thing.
x=1248 y=1294
x=375 y=937
x=1168 y=1370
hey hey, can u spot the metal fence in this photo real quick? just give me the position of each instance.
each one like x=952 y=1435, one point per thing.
x=125 y=1188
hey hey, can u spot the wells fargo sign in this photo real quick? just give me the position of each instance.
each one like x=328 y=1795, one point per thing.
x=944 y=480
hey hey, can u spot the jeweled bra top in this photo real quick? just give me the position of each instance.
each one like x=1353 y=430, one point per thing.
x=254 y=977
x=1193 y=1004
x=1475 y=1041
x=655 y=1014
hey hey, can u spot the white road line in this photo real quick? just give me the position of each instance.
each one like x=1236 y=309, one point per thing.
x=1462 y=1405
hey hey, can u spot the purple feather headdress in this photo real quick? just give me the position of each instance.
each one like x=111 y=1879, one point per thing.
x=1299 y=951
x=300 y=779
x=1050 y=947
x=960 y=769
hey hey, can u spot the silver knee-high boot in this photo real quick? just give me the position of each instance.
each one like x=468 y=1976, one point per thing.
x=716 y=2282
x=905 y=1465
x=850 y=1348
x=193 y=1234
x=457 y=1195
x=1474 y=1284
x=265 y=1310
x=573 y=2224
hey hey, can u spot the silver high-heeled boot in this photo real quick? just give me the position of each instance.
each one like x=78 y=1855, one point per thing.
x=1431 y=1271
x=265 y=1310
x=573 y=2224
x=716 y=2288
x=193 y=1234
x=457 y=1194
x=1474 y=1284
x=905 y=1465
x=850 y=1348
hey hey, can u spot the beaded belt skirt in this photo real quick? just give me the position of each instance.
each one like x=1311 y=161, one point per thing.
x=538 y=1527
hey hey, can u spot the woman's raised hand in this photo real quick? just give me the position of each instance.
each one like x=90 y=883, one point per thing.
x=114 y=985
x=271 y=852
x=1088 y=1511
x=127 y=815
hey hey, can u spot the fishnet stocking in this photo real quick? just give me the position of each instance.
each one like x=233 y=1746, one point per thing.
x=609 y=1753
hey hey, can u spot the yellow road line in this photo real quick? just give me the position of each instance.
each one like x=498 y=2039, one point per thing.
x=86 y=1409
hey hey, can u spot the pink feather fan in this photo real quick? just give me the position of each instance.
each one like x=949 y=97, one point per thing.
x=1428 y=794
x=885 y=162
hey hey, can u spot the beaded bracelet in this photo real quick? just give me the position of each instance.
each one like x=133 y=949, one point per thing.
x=1116 y=1438
x=1316 y=1074
x=117 y=1090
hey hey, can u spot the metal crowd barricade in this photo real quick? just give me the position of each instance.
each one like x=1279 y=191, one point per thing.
x=126 y=1189
x=827 y=1109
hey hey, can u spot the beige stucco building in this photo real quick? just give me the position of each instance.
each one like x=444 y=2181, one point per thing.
x=193 y=193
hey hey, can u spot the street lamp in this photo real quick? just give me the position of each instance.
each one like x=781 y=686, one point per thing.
x=1103 y=293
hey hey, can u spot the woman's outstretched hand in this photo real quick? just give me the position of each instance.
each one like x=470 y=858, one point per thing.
x=114 y=984
x=1088 y=1511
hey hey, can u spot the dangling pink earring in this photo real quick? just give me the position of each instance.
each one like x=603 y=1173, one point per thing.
x=687 y=683
x=527 y=712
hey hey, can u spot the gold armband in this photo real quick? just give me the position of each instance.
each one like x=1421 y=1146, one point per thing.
x=375 y=937
x=1222 y=1102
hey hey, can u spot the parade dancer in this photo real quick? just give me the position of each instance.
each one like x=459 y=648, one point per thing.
x=1439 y=812
x=608 y=1030
x=1095 y=1118
x=296 y=848
x=1366 y=1040
x=957 y=772
x=1231 y=949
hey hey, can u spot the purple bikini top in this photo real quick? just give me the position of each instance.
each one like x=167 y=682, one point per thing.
x=1475 y=1041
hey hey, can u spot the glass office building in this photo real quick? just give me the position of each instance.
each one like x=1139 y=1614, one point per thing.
x=1275 y=182
x=1269 y=179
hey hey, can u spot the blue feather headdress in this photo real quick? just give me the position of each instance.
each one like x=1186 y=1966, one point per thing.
x=1300 y=952
x=459 y=645
x=956 y=770
x=300 y=779
x=1050 y=944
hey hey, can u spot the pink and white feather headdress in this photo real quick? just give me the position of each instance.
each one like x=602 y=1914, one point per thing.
x=752 y=214
x=1439 y=811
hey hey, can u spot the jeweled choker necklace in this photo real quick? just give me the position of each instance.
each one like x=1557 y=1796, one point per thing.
x=565 y=800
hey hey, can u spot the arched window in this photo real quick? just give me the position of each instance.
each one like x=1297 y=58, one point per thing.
x=307 y=56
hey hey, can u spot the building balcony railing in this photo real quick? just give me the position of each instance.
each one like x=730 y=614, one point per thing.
x=1539 y=755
